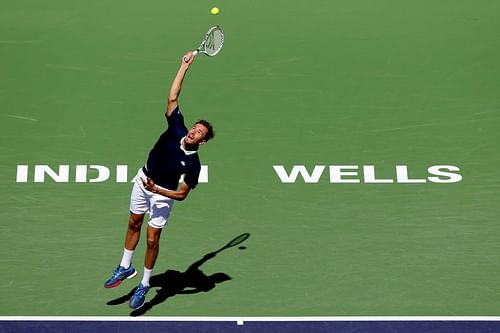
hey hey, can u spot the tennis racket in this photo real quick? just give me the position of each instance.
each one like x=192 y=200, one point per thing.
x=238 y=240
x=211 y=44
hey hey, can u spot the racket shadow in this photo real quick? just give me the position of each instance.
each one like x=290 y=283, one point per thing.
x=173 y=282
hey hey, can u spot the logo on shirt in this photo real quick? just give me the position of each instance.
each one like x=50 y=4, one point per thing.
x=183 y=163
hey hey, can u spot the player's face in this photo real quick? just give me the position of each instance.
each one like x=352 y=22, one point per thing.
x=196 y=135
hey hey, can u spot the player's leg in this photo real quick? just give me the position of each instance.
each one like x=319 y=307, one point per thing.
x=125 y=270
x=139 y=205
x=131 y=238
x=133 y=231
x=153 y=246
x=159 y=213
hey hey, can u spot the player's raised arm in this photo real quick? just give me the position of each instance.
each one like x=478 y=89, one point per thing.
x=175 y=89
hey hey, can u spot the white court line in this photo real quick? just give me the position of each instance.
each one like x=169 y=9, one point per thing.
x=21 y=117
x=242 y=320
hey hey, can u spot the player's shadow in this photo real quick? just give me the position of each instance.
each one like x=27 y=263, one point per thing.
x=172 y=282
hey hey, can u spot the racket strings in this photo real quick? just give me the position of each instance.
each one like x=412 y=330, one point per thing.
x=214 y=41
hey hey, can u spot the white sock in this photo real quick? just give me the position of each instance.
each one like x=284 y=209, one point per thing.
x=146 y=277
x=126 y=258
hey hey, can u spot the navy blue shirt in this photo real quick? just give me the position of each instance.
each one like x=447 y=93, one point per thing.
x=167 y=161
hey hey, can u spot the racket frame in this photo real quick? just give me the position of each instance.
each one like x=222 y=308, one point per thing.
x=202 y=47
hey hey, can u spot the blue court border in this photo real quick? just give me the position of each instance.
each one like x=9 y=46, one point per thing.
x=250 y=324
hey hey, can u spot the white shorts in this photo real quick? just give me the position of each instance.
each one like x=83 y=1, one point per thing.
x=143 y=201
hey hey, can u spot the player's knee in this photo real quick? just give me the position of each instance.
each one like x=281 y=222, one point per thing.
x=152 y=242
x=135 y=221
x=153 y=238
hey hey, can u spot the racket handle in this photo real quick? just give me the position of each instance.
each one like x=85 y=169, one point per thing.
x=186 y=58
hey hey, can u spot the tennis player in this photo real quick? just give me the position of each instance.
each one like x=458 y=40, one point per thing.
x=156 y=186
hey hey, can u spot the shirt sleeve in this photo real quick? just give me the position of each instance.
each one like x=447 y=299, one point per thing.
x=176 y=121
x=191 y=177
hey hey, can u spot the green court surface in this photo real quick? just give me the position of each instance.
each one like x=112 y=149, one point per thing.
x=354 y=84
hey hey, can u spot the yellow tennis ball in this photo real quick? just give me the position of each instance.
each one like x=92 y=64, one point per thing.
x=214 y=11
